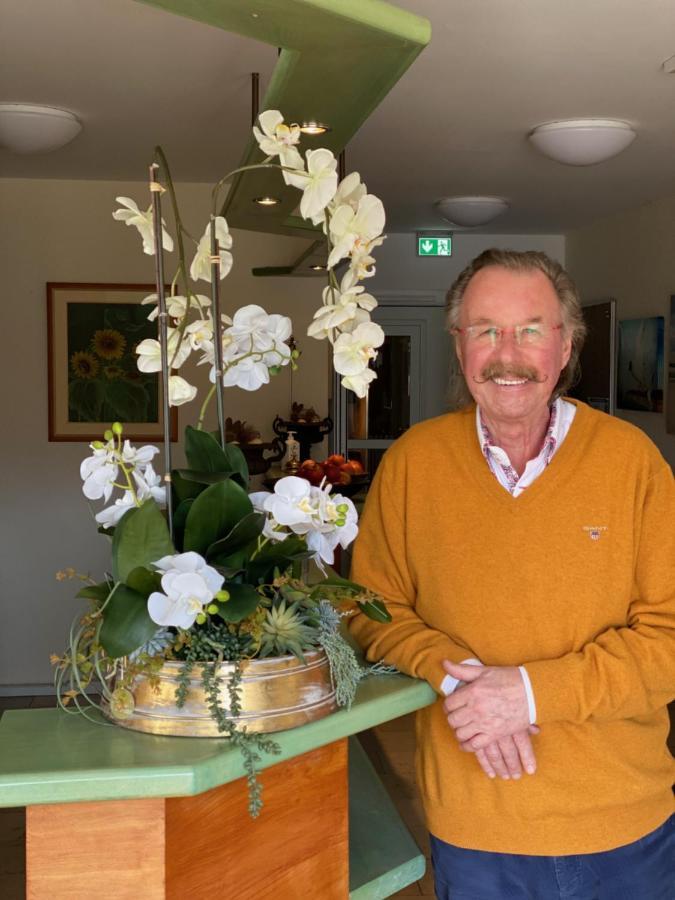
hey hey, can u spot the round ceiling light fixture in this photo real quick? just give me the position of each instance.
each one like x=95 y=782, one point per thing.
x=469 y=212
x=29 y=128
x=582 y=142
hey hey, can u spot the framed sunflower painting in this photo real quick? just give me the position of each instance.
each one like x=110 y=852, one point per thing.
x=93 y=331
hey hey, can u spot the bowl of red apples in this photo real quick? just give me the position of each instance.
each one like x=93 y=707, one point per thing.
x=346 y=475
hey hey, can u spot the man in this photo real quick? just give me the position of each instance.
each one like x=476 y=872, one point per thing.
x=525 y=547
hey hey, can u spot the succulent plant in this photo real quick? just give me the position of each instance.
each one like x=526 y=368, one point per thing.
x=284 y=630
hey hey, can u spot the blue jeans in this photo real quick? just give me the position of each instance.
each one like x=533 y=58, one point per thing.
x=643 y=870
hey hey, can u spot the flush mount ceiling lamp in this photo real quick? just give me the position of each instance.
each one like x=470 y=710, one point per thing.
x=582 y=142
x=28 y=128
x=470 y=212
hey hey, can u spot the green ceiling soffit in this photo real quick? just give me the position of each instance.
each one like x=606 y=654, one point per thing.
x=338 y=60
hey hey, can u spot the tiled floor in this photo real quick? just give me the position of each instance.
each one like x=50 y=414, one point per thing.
x=391 y=748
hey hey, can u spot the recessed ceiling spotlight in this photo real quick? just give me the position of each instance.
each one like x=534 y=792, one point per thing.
x=470 y=212
x=582 y=142
x=314 y=128
x=266 y=201
x=29 y=128
x=318 y=268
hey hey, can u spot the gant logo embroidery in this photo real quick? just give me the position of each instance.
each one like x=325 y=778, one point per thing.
x=594 y=531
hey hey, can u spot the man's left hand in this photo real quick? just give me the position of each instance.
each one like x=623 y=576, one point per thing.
x=492 y=704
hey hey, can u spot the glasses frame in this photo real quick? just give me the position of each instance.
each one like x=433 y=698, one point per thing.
x=516 y=329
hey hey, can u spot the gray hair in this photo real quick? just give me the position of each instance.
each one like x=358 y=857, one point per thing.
x=566 y=291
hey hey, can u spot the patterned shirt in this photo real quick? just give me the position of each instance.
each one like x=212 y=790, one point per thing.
x=562 y=414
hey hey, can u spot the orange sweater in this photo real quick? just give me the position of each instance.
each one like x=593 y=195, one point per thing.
x=575 y=579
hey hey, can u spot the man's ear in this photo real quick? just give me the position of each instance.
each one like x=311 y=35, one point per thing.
x=458 y=351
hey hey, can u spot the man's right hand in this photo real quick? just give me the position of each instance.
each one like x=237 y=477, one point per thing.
x=508 y=756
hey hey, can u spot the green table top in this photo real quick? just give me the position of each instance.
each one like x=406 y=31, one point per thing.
x=48 y=756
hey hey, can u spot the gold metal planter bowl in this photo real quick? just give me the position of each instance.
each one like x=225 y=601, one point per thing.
x=276 y=693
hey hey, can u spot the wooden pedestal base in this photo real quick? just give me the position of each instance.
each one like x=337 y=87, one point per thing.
x=203 y=846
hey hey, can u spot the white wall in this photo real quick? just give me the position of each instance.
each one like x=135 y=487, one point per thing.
x=399 y=268
x=630 y=257
x=64 y=231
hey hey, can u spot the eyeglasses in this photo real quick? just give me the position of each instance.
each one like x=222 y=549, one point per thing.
x=488 y=335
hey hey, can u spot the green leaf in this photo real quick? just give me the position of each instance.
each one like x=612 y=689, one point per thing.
x=204 y=454
x=97 y=592
x=375 y=609
x=279 y=555
x=126 y=623
x=337 y=581
x=243 y=602
x=245 y=531
x=141 y=538
x=213 y=514
x=144 y=582
x=179 y=519
x=183 y=489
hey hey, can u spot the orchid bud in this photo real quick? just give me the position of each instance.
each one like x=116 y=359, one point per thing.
x=295 y=354
x=117 y=428
x=274 y=370
x=342 y=508
x=108 y=435
x=341 y=522
x=212 y=608
x=201 y=618
x=97 y=445
x=223 y=596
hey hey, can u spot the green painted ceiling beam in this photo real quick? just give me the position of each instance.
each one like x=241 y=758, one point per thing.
x=338 y=60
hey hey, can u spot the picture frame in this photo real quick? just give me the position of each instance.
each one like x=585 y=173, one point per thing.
x=641 y=364
x=93 y=379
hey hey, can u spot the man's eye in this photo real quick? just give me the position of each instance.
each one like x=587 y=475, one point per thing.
x=531 y=331
x=489 y=331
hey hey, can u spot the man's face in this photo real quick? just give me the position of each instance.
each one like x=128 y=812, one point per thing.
x=512 y=382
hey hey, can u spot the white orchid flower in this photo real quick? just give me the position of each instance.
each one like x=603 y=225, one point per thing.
x=359 y=383
x=110 y=516
x=132 y=215
x=180 y=391
x=318 y=183
x=349 y=191
x=189 y=584
x=201 y=264
x=176 y=305
x=200 y=333
x=246 y=374
x=149 y=352
x=361 y=263
x=278 y=139
x=290 y=503
x=99 y=473
x=253 y=330
x=341 y=311
x=350 y=228
x=352 y=352
x=137 y=456
x=149 y=484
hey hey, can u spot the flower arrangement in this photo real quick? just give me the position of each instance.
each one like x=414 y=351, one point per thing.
x=202 y=571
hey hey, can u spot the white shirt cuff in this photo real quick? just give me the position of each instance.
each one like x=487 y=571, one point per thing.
x=449 y=684
x=531 y=705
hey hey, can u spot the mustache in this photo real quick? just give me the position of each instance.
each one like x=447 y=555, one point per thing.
x=497 y=370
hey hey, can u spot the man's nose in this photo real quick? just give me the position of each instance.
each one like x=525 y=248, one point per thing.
x=507 y=346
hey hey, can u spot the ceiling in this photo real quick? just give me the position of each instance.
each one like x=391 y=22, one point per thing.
x=455 y=123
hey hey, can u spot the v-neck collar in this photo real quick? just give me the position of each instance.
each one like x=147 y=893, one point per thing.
x=563 y=459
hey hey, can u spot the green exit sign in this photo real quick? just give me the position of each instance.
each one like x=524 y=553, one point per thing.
x=434 y=245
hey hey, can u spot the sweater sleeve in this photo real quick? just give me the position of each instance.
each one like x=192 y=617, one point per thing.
x=626 y=671
x=380 y=562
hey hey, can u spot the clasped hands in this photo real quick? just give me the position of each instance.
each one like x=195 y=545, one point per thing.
x=490 y=717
